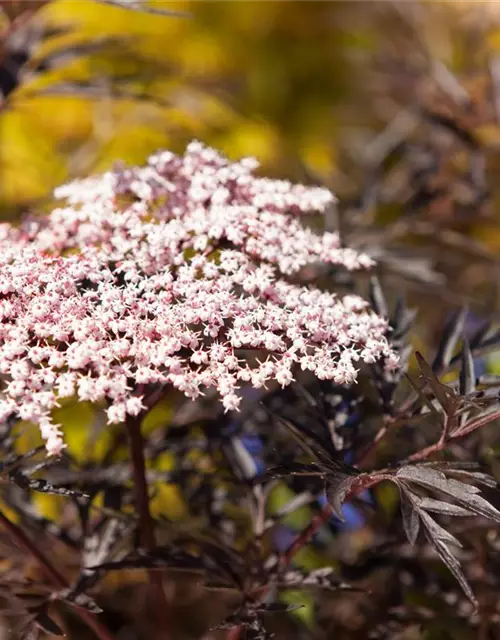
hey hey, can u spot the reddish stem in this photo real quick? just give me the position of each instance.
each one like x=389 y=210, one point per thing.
x=22 y=540
x=304 y=536
x=476 y=424
x=146 y=522
x=235 y=633
x=469 y=427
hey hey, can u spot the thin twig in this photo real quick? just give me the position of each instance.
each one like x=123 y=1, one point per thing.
x=23 y=541
x=469 y=427
x=305 y=536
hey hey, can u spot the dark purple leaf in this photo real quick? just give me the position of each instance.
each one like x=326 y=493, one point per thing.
x=411 y=519
x=443 y=394
x=277 y=607
x=452 y=331
x=377 y=298
x=337 y=488
x=444 y=508
x=467 y=380
x=440 y=539
x=45 y=622
x=464 y=494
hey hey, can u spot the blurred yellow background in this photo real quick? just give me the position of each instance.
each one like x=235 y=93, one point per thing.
x=289 y=81
x=351 y=94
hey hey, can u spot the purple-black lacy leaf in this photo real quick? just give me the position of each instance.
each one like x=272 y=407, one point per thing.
x=452 y=331
x=14 y=460
x=443 y=394
x=42 y=486
x=176 y=560
x=254 y=629
x=291 y=469
x=444 y=508
x=19 y=500
x=44 y=622
x=417 y=506
x=97 y=548
x=223 y=561
x=467 y=380
x=463 y=471
x=424 y=399
x=377 y=298
x=78 y=599
x=484 y=340
x=411 y=518
x=324 y=578
x=276 y=607
x=99 y=545
x=440 y=539
x=319 y=448
x=402 y=320
x=464 y=494
x=337 y=487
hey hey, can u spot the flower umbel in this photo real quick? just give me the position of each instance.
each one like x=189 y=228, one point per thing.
x=172 y=274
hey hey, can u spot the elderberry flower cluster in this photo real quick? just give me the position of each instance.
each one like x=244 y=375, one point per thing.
x=172 y=274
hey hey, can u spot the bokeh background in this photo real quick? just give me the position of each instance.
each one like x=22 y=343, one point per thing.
x=395 y=106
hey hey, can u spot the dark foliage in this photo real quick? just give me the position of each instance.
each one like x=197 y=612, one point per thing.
x=322 y=442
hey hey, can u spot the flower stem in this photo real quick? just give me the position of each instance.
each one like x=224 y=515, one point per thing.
x=146 y=522
x=23 y=541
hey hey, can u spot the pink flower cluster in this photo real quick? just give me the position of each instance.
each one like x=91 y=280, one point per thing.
x=172 y=274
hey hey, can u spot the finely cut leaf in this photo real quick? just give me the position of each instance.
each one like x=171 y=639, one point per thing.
x=411 y=518
x=377 y=298
x=451 y=334
x=402 y=319
x=469 y=471
x=439 y=538
x=337 y=489
x=177 y=561
x=467 y=380
x=424 y=399
x=277 y=607
x=464 y=494
x=291 y=469
x=442 y=393
x=444 y=508
x=80 y=600
x=324 y=578
x=474 y=476
x=437 y=531
x=46 y=624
